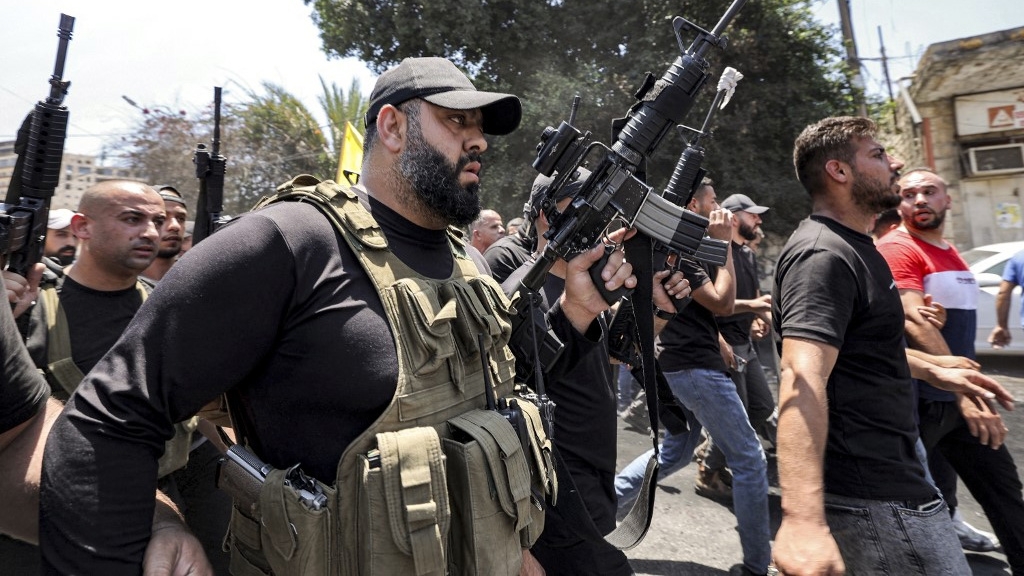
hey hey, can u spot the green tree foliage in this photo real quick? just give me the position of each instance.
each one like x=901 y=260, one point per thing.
x=546 y=52
x=342 y=107
x=268 y=137
x=159 y=147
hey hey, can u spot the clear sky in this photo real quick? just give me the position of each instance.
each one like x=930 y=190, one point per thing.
x=158 y=52
x=174 y=52
x=910 y=26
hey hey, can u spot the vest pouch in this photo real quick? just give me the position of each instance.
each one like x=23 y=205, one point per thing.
x=402 y=518
x=490 y=485
x=295 y=539
x=243 y=542
x=429 y=323
x=544 y=481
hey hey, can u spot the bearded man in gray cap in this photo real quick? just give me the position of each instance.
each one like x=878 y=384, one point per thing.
x=347 y=338
x=745 y=369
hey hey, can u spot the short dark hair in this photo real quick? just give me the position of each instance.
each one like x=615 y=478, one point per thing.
x=705 y=182
x=885 y=220
x=829 y=139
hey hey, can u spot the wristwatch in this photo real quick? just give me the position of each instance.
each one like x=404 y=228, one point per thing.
x=659 y=313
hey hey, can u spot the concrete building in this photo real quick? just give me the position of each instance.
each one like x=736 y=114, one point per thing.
x=962 y=114
x=77 y=173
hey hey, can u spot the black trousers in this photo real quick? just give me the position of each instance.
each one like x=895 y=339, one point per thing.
x=990 y=475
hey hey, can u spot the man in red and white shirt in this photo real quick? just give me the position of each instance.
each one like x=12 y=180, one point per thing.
x=962 y=437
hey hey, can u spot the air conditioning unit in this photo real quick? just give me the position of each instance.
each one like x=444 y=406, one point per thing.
x=988 y=160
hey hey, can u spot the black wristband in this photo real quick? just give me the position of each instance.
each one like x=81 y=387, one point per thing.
x=659 y=313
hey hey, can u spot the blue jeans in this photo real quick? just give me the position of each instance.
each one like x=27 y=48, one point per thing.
x=712 y=402
x=752 y=387
x=627 y=387
x=900 y=538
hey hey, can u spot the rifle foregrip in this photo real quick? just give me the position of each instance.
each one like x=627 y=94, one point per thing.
x=45 y=150
x=684 y=177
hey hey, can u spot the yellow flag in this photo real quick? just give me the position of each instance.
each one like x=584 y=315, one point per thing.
x=351 y=160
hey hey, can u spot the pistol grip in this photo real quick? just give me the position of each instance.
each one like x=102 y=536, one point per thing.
x=610 y=296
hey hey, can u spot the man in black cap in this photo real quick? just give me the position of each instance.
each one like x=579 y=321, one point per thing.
x=735 y=329
x=335 y=340
x=584 y=393
x=509 y=253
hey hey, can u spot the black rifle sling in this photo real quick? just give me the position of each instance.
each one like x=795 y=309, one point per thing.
x=639 y=253
x=634 y=526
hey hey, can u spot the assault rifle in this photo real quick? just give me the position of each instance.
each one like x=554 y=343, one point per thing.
x=40 y=148
x=686 y=178
x=210 y=167
x=612 y=192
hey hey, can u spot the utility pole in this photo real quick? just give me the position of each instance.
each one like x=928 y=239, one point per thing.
x=888 y=82
x=852 y=59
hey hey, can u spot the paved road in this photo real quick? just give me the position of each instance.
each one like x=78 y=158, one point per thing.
x=693 y=536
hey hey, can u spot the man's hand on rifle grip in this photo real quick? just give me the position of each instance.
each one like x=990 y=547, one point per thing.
x=22 y=292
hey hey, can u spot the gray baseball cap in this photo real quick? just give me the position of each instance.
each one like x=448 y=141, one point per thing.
x=440 y=82
x=742 y=203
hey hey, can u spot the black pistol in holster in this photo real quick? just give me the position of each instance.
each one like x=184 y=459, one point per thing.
x=241 y=474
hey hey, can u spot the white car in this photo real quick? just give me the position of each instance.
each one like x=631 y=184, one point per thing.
x=987 y=263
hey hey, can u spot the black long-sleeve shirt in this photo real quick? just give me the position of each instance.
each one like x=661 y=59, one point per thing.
x=23 y=392
x=274 y=306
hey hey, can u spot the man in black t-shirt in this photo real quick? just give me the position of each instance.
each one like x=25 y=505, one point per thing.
x=26 y=413
x=697 y=371
x=118 y=225
x=735 y=329
x=584 y=392
x=853 y=492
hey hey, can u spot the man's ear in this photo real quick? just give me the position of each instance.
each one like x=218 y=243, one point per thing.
x=80 y=226
x=838 y=170
x=391 y=128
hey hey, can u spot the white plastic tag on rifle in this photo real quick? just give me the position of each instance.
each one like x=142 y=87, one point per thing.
x=730 y=77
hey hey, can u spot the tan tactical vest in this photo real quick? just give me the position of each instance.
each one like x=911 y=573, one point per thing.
x=438 y=484
x=64 y=375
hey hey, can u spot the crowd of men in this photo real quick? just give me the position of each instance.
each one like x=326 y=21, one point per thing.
x=358 y=342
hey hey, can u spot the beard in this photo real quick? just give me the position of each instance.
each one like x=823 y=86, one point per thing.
x=169 y=252
x=747 y=231
x=66 y=255
x=435 y=181
x=936 y=222
x=874 y=196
